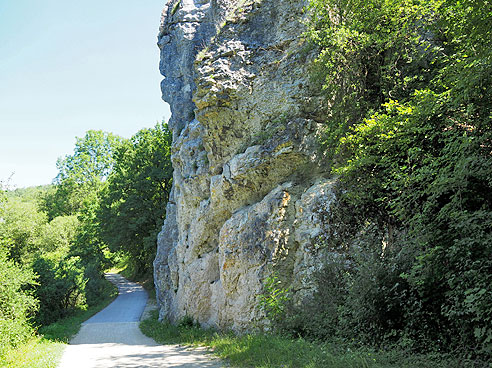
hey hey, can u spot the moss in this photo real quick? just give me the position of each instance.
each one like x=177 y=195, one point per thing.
x=175 y=7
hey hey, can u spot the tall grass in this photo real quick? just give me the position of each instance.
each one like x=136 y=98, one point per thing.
x=274 y=351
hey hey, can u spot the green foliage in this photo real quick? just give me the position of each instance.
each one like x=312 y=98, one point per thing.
x=81 y=174
x=20 y=229
x=92 y=251
x=30 y=194
x=370 y=51
x=272 y=351
x=46 y=248
x=17 y=304
x=188 y=322
x=92 y=160
x=60 y=290
x=43 y=247
x=318 y=317
x=415 y=166
x=132 y=206
x=410 y=138
x=274 y=298
x=57 y=235
x=81 y=179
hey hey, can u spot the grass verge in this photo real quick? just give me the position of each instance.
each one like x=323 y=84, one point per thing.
x=46 y=348
x=273 y=351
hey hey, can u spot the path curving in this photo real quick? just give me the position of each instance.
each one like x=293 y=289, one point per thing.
x=112 y=338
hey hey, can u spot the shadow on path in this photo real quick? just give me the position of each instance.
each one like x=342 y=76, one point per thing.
x=127 y=307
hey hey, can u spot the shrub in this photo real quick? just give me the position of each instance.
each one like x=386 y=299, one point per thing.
x=96 y=288
x=274 y=298
x=410 y=137
x=17 y=303
x=61 y=288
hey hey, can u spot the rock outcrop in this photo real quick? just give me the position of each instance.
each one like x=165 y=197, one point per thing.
x=249 y=194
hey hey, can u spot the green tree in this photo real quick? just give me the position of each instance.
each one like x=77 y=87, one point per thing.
x=81 y=174
x=92 y=251
x=57 y=235
x=133 y=203
x=369 y=52
x=20 y=226
x=81 y=178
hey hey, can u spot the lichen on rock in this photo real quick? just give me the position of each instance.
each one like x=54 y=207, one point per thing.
x=248 y=184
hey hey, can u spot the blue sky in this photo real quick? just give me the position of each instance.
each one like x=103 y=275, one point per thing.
x=70 y=66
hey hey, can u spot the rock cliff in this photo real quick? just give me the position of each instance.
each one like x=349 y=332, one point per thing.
x=249 y=193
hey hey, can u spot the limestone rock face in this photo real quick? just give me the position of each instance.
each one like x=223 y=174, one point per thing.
x=250 y=194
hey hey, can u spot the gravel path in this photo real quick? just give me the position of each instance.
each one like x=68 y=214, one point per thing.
x=112 y=338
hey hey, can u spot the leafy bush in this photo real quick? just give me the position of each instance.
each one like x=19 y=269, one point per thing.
x=61 y=288
x=318 y=317
x=57 y=235
x=17 y=303
x=187 y=322
x=412 y=166
x=410 y=137
x=96 y=287
x=274 y=299
x=370 y=51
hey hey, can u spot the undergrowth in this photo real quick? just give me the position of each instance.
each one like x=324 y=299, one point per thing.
x=46 y=348
x=409 y=137
x=272 y=351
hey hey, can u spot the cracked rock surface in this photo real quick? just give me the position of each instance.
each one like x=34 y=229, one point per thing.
x=249 y=190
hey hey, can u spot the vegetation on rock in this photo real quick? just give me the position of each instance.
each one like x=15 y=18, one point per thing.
x=410 y=137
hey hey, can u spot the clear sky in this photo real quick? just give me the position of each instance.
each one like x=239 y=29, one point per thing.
x=70 y=66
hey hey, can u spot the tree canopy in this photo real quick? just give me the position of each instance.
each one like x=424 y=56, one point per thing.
x=81 y=174
x=133 y=202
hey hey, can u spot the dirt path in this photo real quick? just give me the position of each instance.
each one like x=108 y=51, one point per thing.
x=112 y=338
